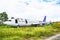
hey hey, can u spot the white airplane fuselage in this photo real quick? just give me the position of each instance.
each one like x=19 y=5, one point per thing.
x=24 y=22
x=21 y=22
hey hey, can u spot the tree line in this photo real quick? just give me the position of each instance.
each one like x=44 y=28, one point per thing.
x=3 y=16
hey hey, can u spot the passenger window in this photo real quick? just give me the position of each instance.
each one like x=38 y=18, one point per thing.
x=22 y=21
x=19 y=21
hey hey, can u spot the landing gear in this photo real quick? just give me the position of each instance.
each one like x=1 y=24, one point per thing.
x=35 y=25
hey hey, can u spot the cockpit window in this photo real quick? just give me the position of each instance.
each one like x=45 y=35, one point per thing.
x=9 y=20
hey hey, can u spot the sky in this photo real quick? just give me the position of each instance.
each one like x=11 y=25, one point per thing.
x=32 y=9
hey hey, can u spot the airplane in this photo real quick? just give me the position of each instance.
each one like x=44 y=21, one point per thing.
x=24 y=22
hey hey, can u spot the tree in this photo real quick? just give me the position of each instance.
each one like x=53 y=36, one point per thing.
x=3 y=16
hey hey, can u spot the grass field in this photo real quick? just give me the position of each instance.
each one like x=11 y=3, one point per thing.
x=27 y=33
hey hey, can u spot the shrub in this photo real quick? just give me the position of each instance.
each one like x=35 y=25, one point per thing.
x=5 y=26
x=56 y=25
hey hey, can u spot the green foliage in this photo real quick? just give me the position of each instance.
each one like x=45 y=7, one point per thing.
x=5 y=26
x=1 y=23
x=23 y=33
x=3 y=16
x=20 y=38
x=56 y=25
x=12 y=38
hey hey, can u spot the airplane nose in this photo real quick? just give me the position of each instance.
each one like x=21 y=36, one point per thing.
x=4 y=22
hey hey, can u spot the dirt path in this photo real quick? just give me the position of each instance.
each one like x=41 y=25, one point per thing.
x=56 y=37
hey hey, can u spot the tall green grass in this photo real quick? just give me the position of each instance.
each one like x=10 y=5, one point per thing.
x=30 y=33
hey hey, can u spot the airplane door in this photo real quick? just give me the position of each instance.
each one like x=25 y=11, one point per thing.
x=16 y=21
x=26 y=21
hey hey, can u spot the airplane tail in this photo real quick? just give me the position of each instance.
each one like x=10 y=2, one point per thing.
x=44 y=20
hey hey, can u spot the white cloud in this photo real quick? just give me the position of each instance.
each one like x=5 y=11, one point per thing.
x=35 y=9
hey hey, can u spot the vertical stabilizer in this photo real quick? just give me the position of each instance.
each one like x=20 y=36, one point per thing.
x=44 y=20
